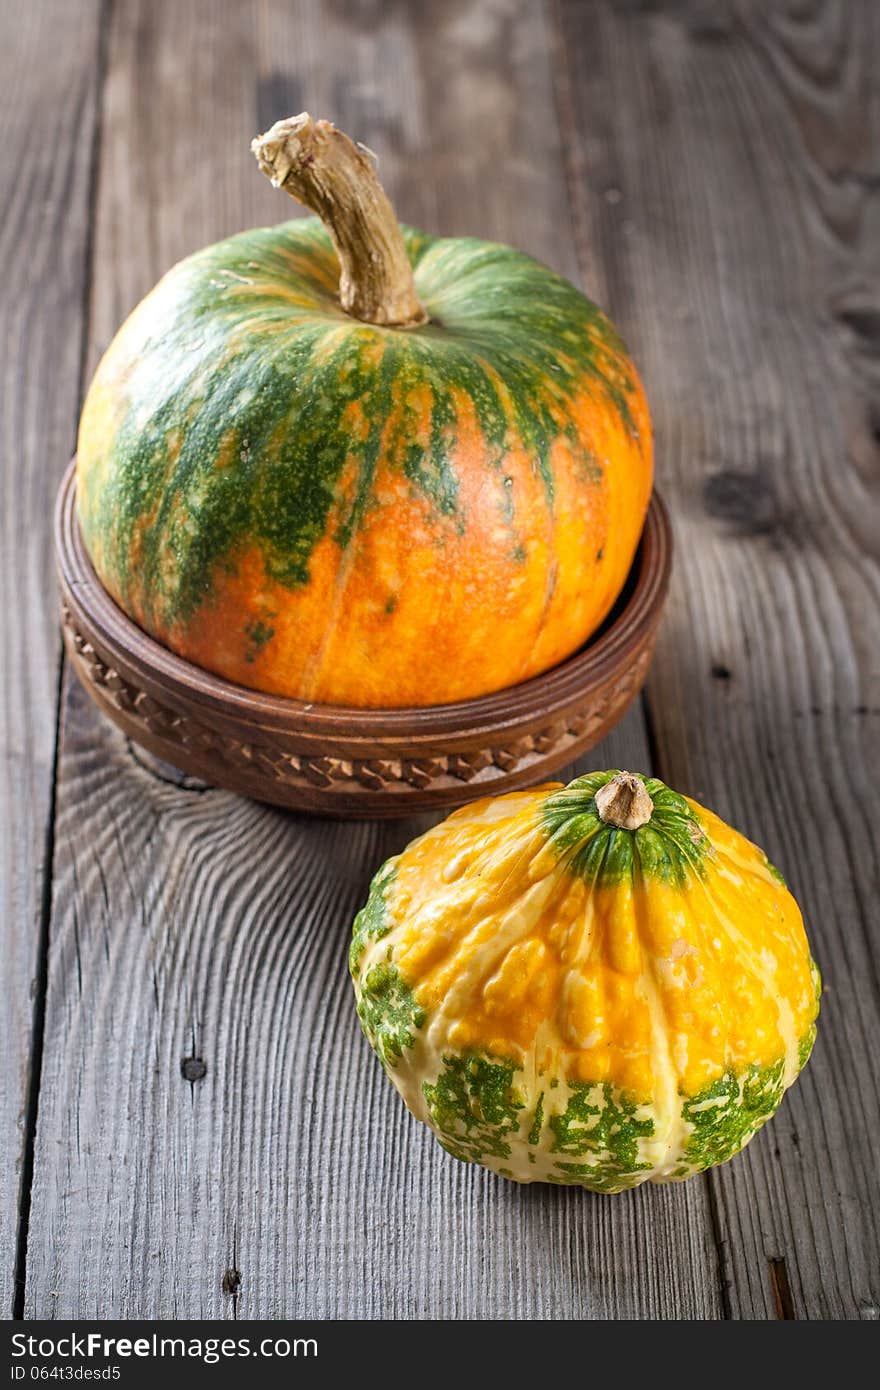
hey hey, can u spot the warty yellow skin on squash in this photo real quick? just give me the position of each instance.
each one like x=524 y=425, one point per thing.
x=565 y=1000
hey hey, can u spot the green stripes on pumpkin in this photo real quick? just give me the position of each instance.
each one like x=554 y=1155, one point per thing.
x=252 y=405
x=530 y=324
x=672 y=846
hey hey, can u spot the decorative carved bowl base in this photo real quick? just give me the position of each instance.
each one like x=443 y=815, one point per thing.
x=365 y=764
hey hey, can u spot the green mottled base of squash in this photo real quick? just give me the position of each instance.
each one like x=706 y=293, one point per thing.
x=726 y=1114
x=806 y=1047
x=386 y=1006
x=478 y=1115
x=602 y=1126
x=602 y=1138
x=473 y=1107
x=388 y=1012
x=372 y=922
x=537 y=1124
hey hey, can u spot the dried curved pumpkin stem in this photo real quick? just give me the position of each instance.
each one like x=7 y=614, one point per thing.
x=327 y=172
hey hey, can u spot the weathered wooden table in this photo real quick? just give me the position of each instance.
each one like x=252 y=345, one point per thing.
x=192 y=1124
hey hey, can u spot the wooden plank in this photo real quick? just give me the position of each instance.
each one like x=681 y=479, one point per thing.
x=728 y=173
x=215 y=1137
x=48 y=85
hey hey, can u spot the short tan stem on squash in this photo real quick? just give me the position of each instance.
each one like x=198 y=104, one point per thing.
x=322 y=168
x=624 y=802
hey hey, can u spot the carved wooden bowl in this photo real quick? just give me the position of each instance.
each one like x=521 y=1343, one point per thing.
x=362 y=763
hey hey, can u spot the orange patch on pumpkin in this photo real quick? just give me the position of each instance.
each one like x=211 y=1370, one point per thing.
x=419 y=607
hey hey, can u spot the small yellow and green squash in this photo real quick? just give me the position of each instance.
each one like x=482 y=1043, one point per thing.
x=344 y=461
x=598 y=984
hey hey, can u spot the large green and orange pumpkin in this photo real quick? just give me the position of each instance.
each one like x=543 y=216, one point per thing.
x=344 y=461
x=600 y=984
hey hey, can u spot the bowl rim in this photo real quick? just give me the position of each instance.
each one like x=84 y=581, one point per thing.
x=556 y=689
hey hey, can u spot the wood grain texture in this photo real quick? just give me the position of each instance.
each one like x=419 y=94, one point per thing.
x=199 y=936
x=44 y=194
x=725 y=170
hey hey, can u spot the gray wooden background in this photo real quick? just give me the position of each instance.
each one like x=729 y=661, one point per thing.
x=709 y=172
